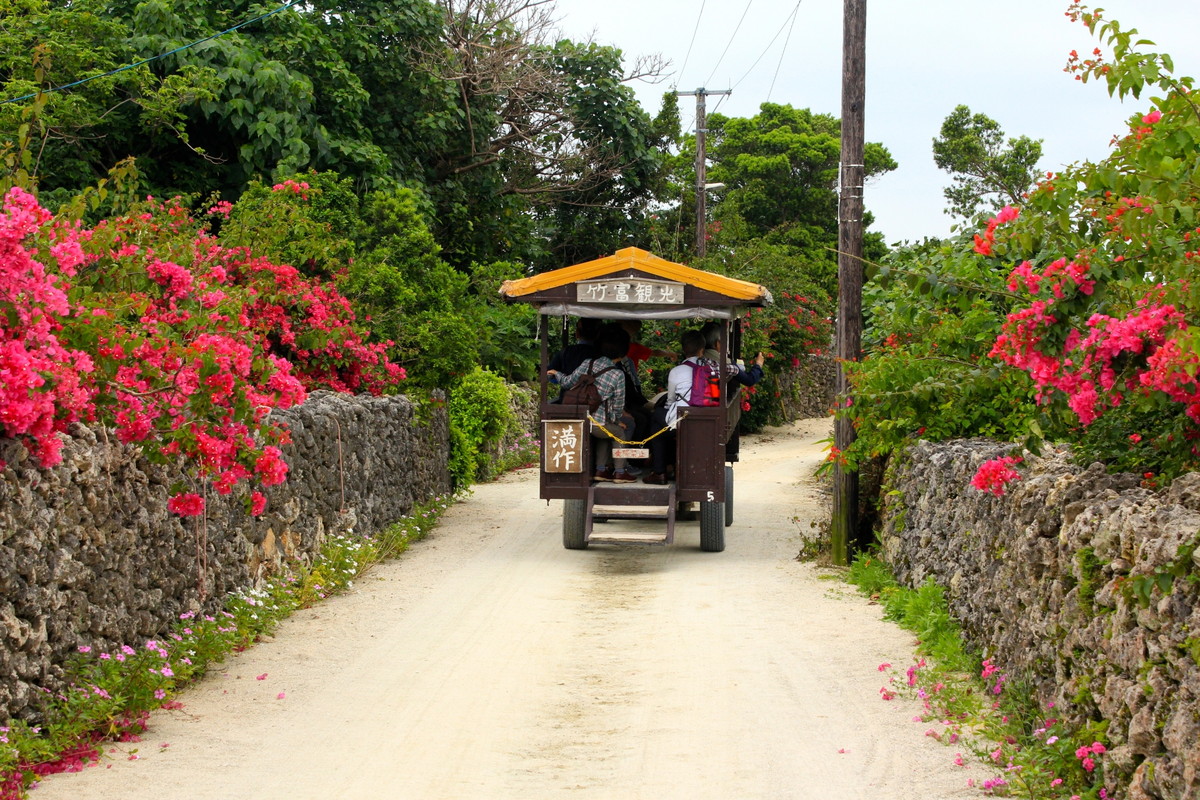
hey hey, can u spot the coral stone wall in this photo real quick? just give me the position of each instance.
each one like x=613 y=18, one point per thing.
x=807 y=389
x=90 y=555
x=1086 y=584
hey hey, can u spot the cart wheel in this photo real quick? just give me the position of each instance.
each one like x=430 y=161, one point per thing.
x=712 y=526
x=728 y=496
x=574 y=521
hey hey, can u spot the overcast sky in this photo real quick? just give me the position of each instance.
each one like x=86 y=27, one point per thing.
x=924 y=57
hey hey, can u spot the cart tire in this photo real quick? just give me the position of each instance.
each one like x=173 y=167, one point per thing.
x=712 y=526
x=573 y=524
x=728 y=496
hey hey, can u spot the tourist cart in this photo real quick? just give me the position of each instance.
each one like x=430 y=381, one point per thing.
x=634 y=284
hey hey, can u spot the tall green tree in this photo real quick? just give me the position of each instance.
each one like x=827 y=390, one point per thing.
x=521 y=142
x=550 y=127
x=780 y=168
x=327 y=85
x=986 y=171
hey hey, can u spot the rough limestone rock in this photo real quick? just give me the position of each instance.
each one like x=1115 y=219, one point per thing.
x=1060 y=580
x=89 y=554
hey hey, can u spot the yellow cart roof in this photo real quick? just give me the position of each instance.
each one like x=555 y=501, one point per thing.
x=633 y=258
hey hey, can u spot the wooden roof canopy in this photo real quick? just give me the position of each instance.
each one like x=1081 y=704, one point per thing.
x=633 y=283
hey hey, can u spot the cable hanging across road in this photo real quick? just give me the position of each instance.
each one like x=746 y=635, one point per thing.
x=732 y=36
x=137 y=64
x=788 y=22
x=699 y=16
x=795 y=14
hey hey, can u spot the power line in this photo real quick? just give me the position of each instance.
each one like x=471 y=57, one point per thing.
x=730 y=42
x=692 y=42
x=790 y=18
x=137 y=64
x=784 y=50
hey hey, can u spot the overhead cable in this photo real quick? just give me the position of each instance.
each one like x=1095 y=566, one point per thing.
x=784 y=50
x=692 y=42
x=730 y=42
x=791 y=18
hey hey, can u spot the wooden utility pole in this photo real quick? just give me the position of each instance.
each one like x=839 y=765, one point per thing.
x=701 y=165
x=850 y=269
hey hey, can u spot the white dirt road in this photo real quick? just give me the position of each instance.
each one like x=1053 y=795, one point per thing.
x=488 y=662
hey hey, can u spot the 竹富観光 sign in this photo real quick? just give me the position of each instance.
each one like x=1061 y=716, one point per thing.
x=629 y=290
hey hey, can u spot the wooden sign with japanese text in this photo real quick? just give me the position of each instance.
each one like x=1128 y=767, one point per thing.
x=630 y=290
x=562 y=445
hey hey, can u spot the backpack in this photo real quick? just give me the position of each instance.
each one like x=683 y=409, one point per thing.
x=633 y=393
x=706 y=389
x=586 y=392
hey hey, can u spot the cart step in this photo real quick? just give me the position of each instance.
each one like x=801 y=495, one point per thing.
x=630 y=501
x=632 y=494
x=628 y=538
x=610 y=512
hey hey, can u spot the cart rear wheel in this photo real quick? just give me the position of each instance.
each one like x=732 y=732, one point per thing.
x=573 y=524
x=712 y=526
x=728 y=496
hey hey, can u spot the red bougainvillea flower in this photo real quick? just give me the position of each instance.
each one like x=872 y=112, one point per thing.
x=186 y=505
x=994 y=475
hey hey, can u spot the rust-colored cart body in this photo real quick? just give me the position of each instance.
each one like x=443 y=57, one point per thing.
x=635 y=284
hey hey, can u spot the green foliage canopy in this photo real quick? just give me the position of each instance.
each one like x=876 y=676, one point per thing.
x=986 y=172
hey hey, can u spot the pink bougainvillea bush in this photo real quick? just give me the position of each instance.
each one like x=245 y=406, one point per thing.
x=1104 y=256
x=147 y=323
x=1070 y=314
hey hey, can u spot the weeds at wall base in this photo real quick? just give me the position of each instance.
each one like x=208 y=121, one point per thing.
x=1025 y=750
x=109 y=696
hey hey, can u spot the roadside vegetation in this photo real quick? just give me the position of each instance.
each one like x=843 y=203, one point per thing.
x=1063 y=310
x=1064 y=313
x=983 y=715
x=108 y=696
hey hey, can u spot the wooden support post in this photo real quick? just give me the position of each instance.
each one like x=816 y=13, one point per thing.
x=702 y=166
x=544 y=340
x=850 y=270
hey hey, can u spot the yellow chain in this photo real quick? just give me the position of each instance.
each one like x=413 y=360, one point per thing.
x=619 y=440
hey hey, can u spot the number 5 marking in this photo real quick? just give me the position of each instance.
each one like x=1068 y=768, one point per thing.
x=711 y=496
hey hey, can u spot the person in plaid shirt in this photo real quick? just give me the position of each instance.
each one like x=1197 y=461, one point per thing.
x=613 y=343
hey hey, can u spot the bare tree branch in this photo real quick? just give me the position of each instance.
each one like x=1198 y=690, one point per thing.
x=515 y=98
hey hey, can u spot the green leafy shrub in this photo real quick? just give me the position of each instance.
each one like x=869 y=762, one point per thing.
x=480 y=413
x=934 y=311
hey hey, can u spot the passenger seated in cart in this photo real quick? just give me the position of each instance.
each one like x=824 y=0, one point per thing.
x=745 y=375
x=678 y=396
x=567 y=360
x=612 y=342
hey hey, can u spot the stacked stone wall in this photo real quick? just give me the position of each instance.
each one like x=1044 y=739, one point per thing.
x=90 y=555
x=1083 y=583
x=806 y=390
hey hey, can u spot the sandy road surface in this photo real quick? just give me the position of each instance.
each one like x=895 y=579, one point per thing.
x=491 y=663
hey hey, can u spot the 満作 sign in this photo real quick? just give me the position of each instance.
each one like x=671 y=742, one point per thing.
x=562 y=445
